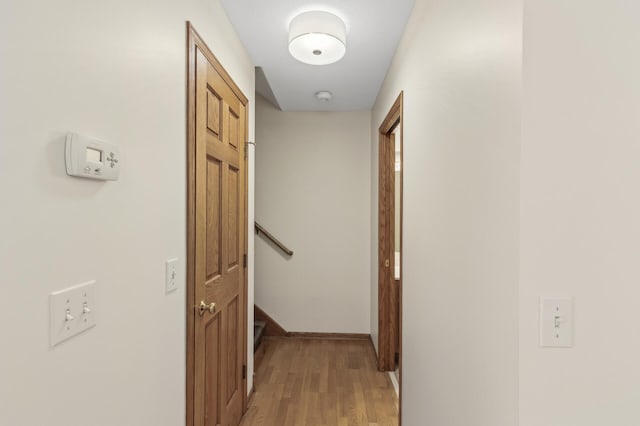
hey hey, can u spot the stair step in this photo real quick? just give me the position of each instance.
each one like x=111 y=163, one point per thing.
x=258 y=330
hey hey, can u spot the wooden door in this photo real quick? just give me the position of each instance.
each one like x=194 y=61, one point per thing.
x=389 y=295
x=392 y=281
x=217 y=298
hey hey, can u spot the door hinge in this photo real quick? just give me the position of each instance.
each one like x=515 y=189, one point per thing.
x=244 y=260
x=244 y=371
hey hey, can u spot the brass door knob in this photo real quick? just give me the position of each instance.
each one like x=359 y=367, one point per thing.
x=204 y=308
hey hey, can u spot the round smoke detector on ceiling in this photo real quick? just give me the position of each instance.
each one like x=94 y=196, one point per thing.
x=324 y=95
x=317 y=38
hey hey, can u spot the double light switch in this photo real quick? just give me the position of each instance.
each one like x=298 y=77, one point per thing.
x=72 y=311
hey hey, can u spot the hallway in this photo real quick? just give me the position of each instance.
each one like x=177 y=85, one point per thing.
x=520 y=237
x=320 y=382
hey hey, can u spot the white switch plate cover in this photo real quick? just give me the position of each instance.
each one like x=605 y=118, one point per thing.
x=72 y=311
x=556 y=322
x=171 y=275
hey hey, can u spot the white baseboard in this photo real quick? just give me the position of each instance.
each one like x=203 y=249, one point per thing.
x=394 y=381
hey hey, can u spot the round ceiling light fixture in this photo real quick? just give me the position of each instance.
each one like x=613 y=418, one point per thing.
x=317 y=38
x=324 y=95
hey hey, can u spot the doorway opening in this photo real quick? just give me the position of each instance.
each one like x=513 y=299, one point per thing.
x=390 y=184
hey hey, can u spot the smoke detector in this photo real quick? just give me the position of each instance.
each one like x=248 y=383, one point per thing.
x=324 y=95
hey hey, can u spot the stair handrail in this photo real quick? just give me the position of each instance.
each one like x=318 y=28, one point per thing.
x=260 y=230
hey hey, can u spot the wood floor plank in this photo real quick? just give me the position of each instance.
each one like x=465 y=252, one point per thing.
x=317 y=382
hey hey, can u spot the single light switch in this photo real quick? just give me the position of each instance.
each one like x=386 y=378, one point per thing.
x=171 y=275
x=556 y=322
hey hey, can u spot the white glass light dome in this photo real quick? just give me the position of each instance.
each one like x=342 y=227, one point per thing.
x=317 y=38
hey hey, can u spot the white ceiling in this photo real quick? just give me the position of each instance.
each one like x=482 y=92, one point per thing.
x=374 y=28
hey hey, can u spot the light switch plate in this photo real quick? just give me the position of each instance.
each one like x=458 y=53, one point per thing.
x=556 y=322
x=72 y=311
x=171 y=275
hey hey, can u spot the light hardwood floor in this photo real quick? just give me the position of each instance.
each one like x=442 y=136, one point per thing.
x=316 y=382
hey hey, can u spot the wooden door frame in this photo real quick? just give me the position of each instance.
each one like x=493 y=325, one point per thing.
x=386 y=242
x=194 y=41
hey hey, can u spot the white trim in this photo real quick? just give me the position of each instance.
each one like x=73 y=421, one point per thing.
x=394 y=382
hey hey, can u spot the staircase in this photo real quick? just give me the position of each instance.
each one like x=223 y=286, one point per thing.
x=264 y=325
x=258 y=331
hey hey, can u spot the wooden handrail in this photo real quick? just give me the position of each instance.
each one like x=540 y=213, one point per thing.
x=274 y=240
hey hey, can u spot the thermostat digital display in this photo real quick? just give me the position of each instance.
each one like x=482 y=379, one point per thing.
x=91 y=158
x=94 y=155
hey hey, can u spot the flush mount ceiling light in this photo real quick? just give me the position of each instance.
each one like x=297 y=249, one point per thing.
x=317 y=38
x=324 y=95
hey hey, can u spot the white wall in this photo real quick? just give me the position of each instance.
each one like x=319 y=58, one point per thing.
x=114 y=70
x=459 y=64
x=312 y=192
x=580 y=208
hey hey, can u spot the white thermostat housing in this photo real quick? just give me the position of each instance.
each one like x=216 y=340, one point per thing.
x=91 y=158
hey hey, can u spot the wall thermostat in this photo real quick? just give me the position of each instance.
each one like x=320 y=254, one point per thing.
x=91 y=158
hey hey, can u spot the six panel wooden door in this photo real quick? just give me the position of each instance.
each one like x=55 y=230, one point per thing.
x=220 y=132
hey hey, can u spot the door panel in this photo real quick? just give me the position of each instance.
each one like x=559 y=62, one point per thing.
x=219 y=196
x=212 y=357
x=214 y=221
x=213 y=112
x=234 y=131
x=233 y=203
x=231 y=378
